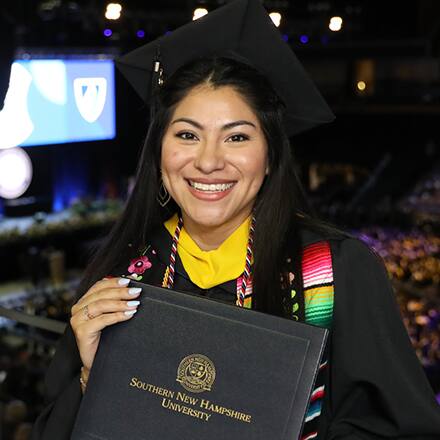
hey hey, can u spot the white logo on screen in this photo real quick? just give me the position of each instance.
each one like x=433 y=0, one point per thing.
x=90 y=95
x=15 y=122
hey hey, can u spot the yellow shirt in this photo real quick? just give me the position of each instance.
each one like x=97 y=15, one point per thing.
x=210 y=268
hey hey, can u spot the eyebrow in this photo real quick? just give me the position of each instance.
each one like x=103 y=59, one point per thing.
x=225 y=127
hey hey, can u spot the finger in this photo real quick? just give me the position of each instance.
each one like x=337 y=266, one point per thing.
x=97 y=308
x=100 y=286
x=116 y=293
x=95 y=325
x=101 y=307
x=106 y=283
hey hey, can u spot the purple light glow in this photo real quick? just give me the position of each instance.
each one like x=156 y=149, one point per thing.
x=108 y=32
x=285 y=38
x=304 y=39
x=140 y=33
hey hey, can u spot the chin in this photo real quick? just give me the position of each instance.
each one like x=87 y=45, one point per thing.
x=209 y=220
x=207 y=217
x=217 y=219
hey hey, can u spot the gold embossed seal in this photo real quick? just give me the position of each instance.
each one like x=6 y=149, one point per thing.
x=196 y=373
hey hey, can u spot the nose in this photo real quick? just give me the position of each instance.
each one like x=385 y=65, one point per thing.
x=209 y=157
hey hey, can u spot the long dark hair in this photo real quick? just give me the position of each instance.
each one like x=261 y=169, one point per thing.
x=281 y=208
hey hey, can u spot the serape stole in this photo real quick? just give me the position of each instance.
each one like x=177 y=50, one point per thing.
x=318 y=282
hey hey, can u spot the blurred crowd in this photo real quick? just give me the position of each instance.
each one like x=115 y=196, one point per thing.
x=410 y=256
x=425 y=196
x=21 y=376
x=413 y=263
x=422 y=321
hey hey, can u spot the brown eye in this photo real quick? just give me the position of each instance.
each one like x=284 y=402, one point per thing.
x=185 y=135
x=239 y=138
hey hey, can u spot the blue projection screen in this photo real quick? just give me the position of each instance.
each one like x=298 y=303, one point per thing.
x=53 y=101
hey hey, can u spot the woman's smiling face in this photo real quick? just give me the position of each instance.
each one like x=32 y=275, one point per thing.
x=214 y=156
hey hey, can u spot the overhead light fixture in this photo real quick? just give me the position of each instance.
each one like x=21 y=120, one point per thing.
x=335 y=24
x=276 y=18
x=199 y=12
x=113 y=11
x=361 y=86
x=365 y=71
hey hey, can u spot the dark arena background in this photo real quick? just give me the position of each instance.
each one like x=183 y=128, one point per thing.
x=69 y=146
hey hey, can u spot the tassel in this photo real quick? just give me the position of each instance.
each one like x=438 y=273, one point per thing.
x=156 y=81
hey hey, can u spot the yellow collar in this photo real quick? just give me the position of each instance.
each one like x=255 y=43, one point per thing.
x=210 y=268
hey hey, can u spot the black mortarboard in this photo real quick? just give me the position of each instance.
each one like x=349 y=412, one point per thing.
x=244 y=30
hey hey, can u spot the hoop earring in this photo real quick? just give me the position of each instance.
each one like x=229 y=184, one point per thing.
x=163 y=197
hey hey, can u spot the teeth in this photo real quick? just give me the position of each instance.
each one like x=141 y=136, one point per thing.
x=218 y=187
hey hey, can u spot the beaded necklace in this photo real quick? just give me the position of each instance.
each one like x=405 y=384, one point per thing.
x=246 y=279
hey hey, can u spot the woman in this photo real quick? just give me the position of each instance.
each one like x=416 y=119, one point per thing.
x=218 y=210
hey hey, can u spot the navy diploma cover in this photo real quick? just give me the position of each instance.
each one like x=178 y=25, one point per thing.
x=190 y=368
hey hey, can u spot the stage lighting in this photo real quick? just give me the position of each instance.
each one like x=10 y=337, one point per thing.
x=108 y=32
x=364 y=77
x=276 y=18
x=15 y=172
x=361 y=86
x=304 y=39
x=199 y=12
x=113 y=11
x=335 y=24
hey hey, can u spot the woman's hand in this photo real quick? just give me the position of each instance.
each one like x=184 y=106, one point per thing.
x=107 y=302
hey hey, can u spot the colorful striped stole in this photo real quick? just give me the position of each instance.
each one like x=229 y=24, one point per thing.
x=318 y=284
x=318 y=281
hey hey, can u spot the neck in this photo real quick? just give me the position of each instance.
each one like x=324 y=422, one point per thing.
x=208 y=237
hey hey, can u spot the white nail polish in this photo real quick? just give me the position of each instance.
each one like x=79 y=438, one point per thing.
x=123 y=281
x=133 y=303
x=134 y=290
x=130 y=312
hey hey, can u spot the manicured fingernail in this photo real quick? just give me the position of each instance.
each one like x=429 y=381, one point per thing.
x=123 y=281
x=133 y=303
x=130 y=312
x=134 y=290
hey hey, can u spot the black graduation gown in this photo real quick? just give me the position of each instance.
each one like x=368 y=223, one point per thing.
x=375 y=385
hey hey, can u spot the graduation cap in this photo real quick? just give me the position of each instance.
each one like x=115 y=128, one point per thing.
x=242 y=29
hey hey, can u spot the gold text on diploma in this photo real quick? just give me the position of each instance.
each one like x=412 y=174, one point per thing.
x=195 y=407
